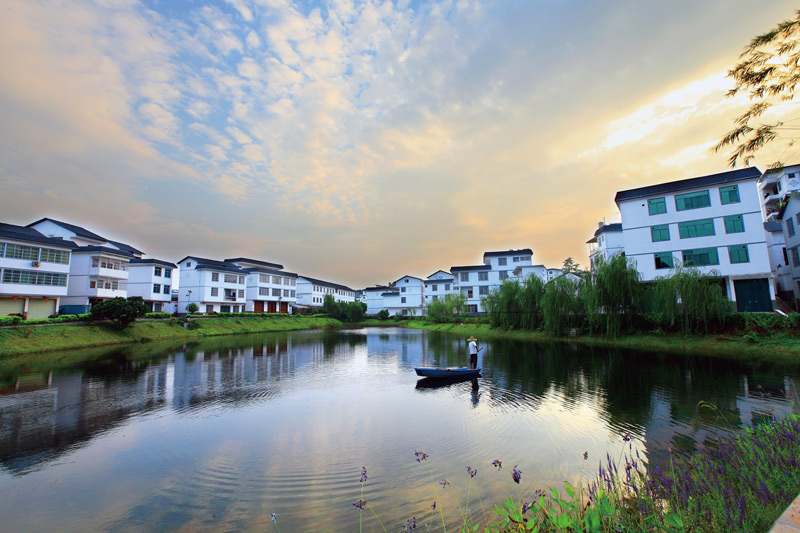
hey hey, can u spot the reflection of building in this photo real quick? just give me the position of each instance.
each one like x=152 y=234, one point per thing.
x=34 y=271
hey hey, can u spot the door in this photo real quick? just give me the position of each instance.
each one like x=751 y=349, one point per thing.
x=259 y=306
x=752 y=295
x=271 y=306
x=284 y=307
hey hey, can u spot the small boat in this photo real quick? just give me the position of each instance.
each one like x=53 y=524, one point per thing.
x=448 y=372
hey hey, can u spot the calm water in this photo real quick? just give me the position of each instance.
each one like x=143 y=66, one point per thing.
x=219 y=434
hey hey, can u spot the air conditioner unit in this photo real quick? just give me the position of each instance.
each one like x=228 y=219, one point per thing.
x=35 y=264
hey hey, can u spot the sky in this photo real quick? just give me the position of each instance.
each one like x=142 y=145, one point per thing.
x=361 y=141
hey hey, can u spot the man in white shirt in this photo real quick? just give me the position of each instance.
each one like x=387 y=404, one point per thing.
x=473 y=352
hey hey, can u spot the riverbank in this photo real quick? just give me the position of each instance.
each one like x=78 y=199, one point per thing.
x=775 y=348
x=25 y=340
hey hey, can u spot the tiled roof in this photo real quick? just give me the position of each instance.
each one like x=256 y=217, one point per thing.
x=22 y=233
x=77 y=230
x=255 y=262
x=447 y=280
x=378 y=288
x=327 y=284
x=691 y=183
x=102 y=249
x=152 y=262
x=263 y=270
x=126 y=247
x=473 y=267
x=442 y=271
x=524 y=251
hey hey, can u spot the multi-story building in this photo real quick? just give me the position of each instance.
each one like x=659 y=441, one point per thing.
x=375 y=297
x=713 y=223
x=774 y=187
x=790 y=218
x=438 y=285
x=270 y=289
x=153 y=280
x=34 y=271
x=476 y=281
x=407 y=297
x=311 y=292
x=606 y=242
x=214 y=286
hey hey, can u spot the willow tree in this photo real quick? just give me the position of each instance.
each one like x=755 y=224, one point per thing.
x=561 y=306
x=690 y=300
x=768 y=73
x=613 y=295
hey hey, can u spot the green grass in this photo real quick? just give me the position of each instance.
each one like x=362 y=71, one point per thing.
x=22 y=340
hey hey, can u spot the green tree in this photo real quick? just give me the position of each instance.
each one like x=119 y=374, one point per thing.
x=331 y=307
x=768 y=73
x=571 y=267
x=447 y=308
x=383 y=314
x=119 y=311
x=192 y=307
x=355 y=311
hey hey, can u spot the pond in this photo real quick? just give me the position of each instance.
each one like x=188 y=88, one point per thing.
x=217 y=435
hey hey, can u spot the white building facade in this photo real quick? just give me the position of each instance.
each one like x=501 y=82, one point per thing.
x=214 y=286
x=713 y=223
x=153 y=280
x=476 y=281
x=34 y=272
x=270 y=289
x=311 y=292
x=790 y=218
x=438 y=285
x=607 y=241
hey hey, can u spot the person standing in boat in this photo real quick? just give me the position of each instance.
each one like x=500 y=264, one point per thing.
x=473 y=352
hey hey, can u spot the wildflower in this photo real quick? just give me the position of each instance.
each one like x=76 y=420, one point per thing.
x=421 y=456
x=627 y=437
x=498 y=463
x=363 y=474
x=585 y=456
x=471 y=472
x=526 y=506
x=29 y=332
x=516 y=474
x=273 y=517
x=411 y=523
x=433 y=507
x=359 y=504
x=444 y=483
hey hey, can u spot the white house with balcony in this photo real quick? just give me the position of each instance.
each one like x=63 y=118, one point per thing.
x=214 y=286
x=153 y=280
x=375 y=297
x=438 y=285
x=476 y=281
x=713 y=223
x=408 y=297
x=606 y=242
x=311 y=292
x=775 y=186
x=270 y=289
x=34 y=271
x=791 y=221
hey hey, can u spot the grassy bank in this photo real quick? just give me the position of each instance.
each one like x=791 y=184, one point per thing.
x=22 y=340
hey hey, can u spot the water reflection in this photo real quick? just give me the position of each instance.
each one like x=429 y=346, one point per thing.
x=229 y=429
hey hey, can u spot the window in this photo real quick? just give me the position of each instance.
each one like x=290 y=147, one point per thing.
x=215 y=276
x=447 y=286
x=785 y=256
x=224 y=308
x=795 y=257
x=287 y=281
x=209 y=308
x=230 y=278
x=167 y=272
x=729 y=195
x=504 y=274
x=17 y=251
x=25 y=277
x=54 y=256
x=700 y=257
x=664 y=260
x=657 y=206
x=403 y=300
x=696 y=228
x=406 y=280
x=434 y=288
x=501 y=261
x=263 y=278
x=214 y=291
x=188 y=264
x=241 y=293
x=276 y=292
x=734 y=224
x=157 y=271
x=790 y=227
x=516 y=259
x=292 y=294
x=263 y=291
x=465 y=276
x=797 y=217
x=156 y=288
x=483 y=276
x=286 y=292
x=166 y=289
x=692 y=200
x=659 y=233
x=402 y=289
x=738 y=254
x=434 y=298
x=483 y=290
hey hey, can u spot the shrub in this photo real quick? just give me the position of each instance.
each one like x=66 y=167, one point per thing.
x=192 y=308
x=383 y=314
x=10 y=320
x=120 y=311
x=157 y=314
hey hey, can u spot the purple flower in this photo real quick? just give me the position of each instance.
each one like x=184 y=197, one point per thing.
x=627 y=436
x=411 y=524
x=273 y=517
x=421 y=456
x=472 y=473
x=359 y=504
x=526 y=506
x=585 y=456
x=516 y=474
x=433 y=507
x=444 y=483
x=498 y=463
x=363 y=474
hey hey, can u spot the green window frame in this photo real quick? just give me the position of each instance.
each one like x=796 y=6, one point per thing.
x=692 y=200
x=700 y=257
x=734 y=224
x=729 y=195
x=657 y=206
x=696 y=228
x=738 y=254
x=659 y=233
x=664 y=260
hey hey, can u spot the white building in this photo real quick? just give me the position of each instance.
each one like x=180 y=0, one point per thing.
x=606 y=242
x=214 y=286
x=153 y=280
x=476 y=281
x=34 y=271
x=713 y=223
x=375 y=295
x=312 y=292
x=438 y=285
x=790 y=217
x=270 y=289
x=775 y=186
x=407 y=298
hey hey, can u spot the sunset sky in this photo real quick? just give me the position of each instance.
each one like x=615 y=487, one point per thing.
x=360 y=141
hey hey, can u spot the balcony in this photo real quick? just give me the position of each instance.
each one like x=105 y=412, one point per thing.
x=771 y=199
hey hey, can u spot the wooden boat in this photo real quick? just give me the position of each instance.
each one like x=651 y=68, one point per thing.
x=448 y=372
